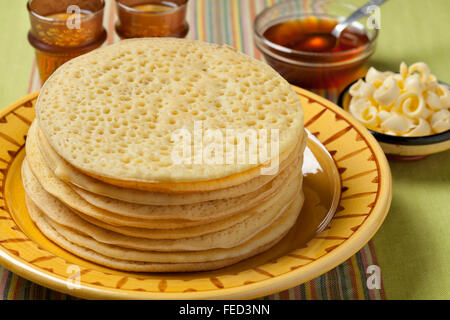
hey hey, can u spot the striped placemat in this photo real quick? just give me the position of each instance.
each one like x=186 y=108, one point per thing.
x=228 y=22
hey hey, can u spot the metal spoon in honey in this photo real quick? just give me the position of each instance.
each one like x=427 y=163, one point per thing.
x=322 y=34
x=338 y=35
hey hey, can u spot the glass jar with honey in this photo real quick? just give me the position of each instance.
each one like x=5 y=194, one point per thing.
x=64 y=29
x=151 y=18
x=295 y=39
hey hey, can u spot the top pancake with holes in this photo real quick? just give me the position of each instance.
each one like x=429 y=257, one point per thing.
x=112 y=113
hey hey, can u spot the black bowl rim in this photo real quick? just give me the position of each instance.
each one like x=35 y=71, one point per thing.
x=400 y=140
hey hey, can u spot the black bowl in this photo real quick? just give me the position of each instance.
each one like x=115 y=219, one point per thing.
x=404 y=148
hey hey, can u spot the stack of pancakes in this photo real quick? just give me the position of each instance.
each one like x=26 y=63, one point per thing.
x=100 y=174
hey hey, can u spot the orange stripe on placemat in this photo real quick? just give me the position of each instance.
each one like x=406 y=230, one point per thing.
x=17 y=288
x=111 y=20
x=375 y=262
x=296 y=291
x=352 y=279
x=365 y=254
x=236 y=25
x=201 y=28
x=192 y=13
x=313 y=289
x=307 y=286
x=358 y=281
x=305 y=5
x=12 y=286
x=30 y=81
x=284 y=295
x=245 y=20
x=257 y=53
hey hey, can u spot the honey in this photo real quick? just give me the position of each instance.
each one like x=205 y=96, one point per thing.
x=67 y=16
x=164 y=6
x=314 y=35
x=151 y=18
x=306 y=54
x=56 y=39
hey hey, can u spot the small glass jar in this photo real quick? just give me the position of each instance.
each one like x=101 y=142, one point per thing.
x=151 y=18
x=64 y=29
x=314 y=70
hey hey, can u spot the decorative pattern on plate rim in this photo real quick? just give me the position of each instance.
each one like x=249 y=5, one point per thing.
x=360 y=193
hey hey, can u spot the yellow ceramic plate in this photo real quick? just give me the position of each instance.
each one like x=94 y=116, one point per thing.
x=347 y=171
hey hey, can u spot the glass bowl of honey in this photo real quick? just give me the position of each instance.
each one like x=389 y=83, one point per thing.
x=295 y=39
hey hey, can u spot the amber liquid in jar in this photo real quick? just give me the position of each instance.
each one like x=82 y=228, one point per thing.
x=151 y=18
x=65 y=45
x=313 y=35
x=58 y=35
x=67 y=16
x=164 y=6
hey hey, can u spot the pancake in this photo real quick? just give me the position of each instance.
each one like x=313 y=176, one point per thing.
x=90 y=255
x=277 y=229
x=240 y=232
x=165 y=155
x=66 y=194
x=80 y=181
x=177 y=233
x=112 y=113
x=197 y=211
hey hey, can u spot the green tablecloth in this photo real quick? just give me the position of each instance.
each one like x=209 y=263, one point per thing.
x=413 y=245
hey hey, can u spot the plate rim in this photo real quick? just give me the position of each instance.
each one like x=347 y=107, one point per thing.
x=326 y=262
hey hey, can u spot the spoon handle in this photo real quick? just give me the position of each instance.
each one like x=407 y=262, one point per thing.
x=358 y=14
